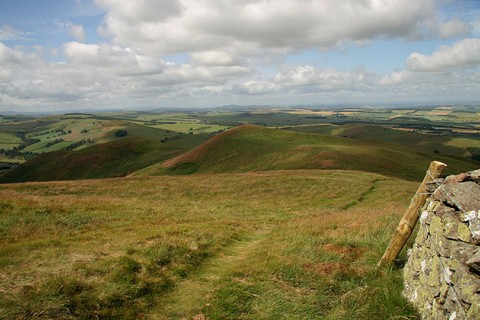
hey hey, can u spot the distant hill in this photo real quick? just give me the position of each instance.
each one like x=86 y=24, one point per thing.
x=425 y=143
x=111 y=159
x=243 y=148
x=255 y=148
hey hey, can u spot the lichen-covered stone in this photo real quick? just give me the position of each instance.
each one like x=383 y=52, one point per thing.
x=442 y=210
x=473 y=175
x=463 y=233
x=442 y=274
x=474 y=310
x=436 y=226
x=474 y=262
x=473 y=220
x=474 y=226
x=468 y=288
x=465 y=196
x=455 y=179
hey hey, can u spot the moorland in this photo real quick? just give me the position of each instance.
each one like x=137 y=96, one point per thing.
x=227 y=213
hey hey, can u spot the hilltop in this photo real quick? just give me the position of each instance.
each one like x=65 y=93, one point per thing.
x=254 y=148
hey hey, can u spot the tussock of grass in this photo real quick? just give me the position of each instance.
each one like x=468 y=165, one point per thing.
x=263 y=245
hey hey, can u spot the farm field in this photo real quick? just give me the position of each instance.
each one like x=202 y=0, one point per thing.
x=258 y=245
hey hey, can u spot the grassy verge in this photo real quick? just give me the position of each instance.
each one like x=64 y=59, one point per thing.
x=262 y=245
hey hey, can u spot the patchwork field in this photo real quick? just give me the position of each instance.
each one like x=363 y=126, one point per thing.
x=266 y=245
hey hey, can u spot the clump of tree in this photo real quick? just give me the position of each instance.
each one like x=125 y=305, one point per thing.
x=75 y=145
x=56 y=131
x=16 y=152
x=121 y=133
x=54 y=142
x=78 y=144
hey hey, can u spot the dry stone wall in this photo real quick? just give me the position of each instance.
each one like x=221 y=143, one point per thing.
x=442 y=274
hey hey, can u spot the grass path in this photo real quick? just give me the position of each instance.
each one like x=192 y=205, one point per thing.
x=194 y=293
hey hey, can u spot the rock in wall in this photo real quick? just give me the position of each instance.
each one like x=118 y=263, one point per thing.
x=442 y=274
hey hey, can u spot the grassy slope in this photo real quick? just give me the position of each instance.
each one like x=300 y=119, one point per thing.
x=8 y=140
x=116 y=158
x=249 y=147
x=276 y=245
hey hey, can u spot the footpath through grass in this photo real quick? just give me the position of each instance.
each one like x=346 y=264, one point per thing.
x=267 y=245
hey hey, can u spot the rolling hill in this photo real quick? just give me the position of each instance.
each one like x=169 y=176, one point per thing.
x=426 y=143
x=253 y=148
x=111 y=159
x=241 y=149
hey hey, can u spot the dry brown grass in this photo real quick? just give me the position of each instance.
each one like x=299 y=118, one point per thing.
x=121 y=247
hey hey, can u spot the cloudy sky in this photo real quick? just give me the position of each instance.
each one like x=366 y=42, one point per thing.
x=63 y=55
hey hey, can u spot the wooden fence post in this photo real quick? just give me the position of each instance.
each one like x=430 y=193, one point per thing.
x=410 y=218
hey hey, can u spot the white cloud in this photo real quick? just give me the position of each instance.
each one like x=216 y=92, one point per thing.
x=140 y=11
x=453 y=28
x=256 y=87
x=15 y=56
x=394 y=78
x=78 y=32
x=302 y=77
x=213 y=57
x=227 y=50
x=6 y=54
x=104 y=74
x=205 y=25
x=464 y=53
x=81 y=51
x=5 y=74
x=9 y=33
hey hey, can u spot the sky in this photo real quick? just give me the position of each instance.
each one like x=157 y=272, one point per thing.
x=73 y=55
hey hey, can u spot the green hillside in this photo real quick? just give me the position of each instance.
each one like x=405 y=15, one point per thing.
x=254 y=148
x=246 y=148
x=426 y=143
x=112 y=159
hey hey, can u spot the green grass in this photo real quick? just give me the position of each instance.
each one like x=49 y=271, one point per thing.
x=253 y=246
x=248 y=148
x=11 y=160
x=8 y=140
